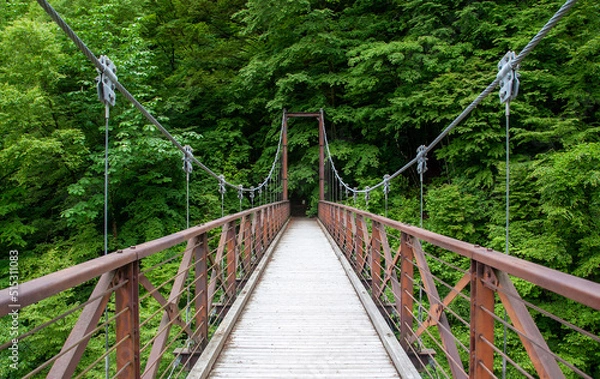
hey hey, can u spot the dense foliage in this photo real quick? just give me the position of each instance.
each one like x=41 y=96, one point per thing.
x=390 y=76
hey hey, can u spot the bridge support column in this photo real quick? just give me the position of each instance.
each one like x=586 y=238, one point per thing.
x=128 y=323
x=201 y=302
x=321 y=156
x=284 y=139
x=482 y=323
x=407 y=291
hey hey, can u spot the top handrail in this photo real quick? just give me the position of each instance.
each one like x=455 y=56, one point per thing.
x=40 y=288
x=575 y=288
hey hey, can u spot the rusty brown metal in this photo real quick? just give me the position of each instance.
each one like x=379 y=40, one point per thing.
x=321 y=156
x=245 y=243
x=284 y=154
x=65 y=366
x=38 y=289
x=375 y=262
x=361 y=239
x=172 y=309
x=482 y=324
x=533 y=341
x=126 y=288
x=581 y=290
x=201 y=295
x=460 y=285
x=350 y=229
x=164 y=328
x=127 y=326
x=231 y=258
x=443 y=325
x=390 y=269
x=407 y=292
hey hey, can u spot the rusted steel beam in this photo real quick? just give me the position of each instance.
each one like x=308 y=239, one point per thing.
x=127 y=326
x=38 y=289
x=231 y=258
x=581 y=290
x=321 y=157
x=533 y=341
x=301 y=114
x=482 y=323
x=407 y=291
x=284 y=155
x=460 y=285
x=173 y=309
x=361 y=240
x=201 y=276
x=256 y=234
x=390 y=269
x=375 y=261
x=246 y=231
x=216 y=272
x=164 y=328
x=350 y=228
x=65 y=366
x=436 y=305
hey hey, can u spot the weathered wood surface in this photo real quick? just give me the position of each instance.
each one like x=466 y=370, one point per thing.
x=304 y=319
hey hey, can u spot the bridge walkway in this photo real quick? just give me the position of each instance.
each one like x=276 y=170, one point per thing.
x=304 y=319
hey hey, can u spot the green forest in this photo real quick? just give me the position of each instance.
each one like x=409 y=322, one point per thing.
x=390 y=75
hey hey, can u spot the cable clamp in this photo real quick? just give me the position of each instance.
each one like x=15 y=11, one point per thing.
x=355 y=194
x=105 y=85
x=240 y=192
x=367 y=195
x=187 y=159
x=422 y=159
x=386 y=184
x=252 y=189
x=222 y=189
x=509 y=77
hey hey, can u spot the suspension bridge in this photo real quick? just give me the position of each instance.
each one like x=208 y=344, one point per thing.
x=260 y=294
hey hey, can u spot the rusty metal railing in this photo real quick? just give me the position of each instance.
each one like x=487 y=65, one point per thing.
x=446 y=302
x=184 y=283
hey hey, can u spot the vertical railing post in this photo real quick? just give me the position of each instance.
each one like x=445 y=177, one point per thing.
x=201 y=302
x=360 y=242
x=321 y=157
x=231 y=262
x=375 y=260
x=406 y=291
x=128 y=323
x=349 y=230
x=284 y=155
x=248 y=245
x=482 y=323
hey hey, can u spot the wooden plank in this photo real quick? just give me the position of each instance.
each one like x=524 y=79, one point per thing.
x=392 y=346
x=304 y=319
x=206 y=361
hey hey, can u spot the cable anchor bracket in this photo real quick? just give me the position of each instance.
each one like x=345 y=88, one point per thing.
x=106 y=81
x=422 y=159
x=222 y=189
x=509 y=77
x=187 y=159
x=386 y=184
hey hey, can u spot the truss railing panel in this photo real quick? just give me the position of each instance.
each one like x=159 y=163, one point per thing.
x=452 y=303
x=151 y=309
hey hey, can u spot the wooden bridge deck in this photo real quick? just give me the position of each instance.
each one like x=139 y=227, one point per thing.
x=304 y=319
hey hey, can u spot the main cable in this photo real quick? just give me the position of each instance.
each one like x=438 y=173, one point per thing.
x=90 y=55
x=566 y=7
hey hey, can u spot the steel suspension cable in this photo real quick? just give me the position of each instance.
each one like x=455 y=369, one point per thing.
x=564 y=9
x=101 y=68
